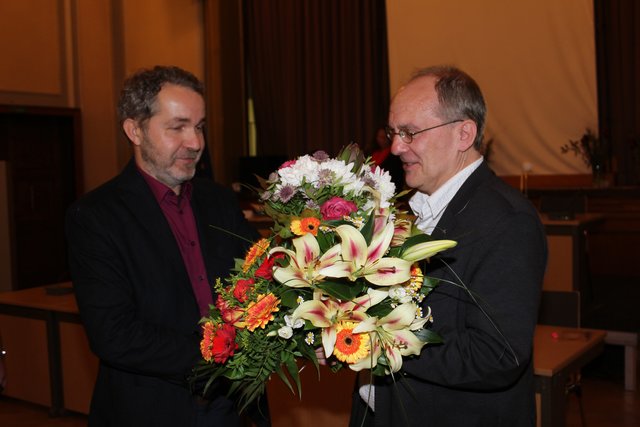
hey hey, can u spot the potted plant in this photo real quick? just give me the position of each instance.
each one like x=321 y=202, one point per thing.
x=595 y=153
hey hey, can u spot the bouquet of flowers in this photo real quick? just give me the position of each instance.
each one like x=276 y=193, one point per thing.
x=338 y=274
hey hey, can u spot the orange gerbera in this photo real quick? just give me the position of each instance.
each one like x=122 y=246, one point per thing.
x=260 y=312
x=258 y=248
x=415 y=283
x=350 y=347
x=206 y=344
x=302 y=226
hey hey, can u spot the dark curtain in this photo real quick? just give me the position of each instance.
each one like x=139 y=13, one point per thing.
x=618 y=68
x=318 y=73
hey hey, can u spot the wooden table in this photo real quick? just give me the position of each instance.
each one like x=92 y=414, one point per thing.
x=558 y=353
x=70 y=374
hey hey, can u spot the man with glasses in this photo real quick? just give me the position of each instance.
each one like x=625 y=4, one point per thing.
x=485 y=307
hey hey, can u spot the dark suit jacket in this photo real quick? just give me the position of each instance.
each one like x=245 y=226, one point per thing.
x=136 y=300
x=473 y=379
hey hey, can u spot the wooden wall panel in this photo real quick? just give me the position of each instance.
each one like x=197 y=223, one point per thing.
x=36 y=42
x=26 y=363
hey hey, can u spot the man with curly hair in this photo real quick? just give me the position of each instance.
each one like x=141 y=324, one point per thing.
x=143 y=255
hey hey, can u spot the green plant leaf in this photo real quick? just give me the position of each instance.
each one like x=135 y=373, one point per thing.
x=342 y=290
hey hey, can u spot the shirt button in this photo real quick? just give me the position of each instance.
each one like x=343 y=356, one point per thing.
x=201 y=278
x=192 y=243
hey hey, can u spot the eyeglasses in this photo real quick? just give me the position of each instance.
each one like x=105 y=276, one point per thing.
x=407 y=137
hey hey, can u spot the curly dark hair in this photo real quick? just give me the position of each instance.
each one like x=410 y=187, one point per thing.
x=138 y=96
x=459 y=96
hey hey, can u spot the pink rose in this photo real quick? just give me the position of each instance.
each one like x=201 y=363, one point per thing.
x=287 y=164
x=337 y=207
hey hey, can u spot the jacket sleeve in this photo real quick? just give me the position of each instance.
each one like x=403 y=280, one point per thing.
x=129 y=324
x=488 y=331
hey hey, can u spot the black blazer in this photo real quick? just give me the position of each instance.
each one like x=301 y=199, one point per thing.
x=136 y=301
x=478 y=377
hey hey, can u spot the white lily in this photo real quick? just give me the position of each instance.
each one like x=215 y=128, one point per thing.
x=328 y=312
x=392 y=335
x=305 y=264
x=426 y=249
x=368 y=262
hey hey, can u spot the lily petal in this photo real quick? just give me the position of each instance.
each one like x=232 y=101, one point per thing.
x=388 y=271
x=354 y=247
x=307 y=249
x=291 y=277
x=427 y=249
x=367 y=325
x=314 y=311
x=400 y=318
x=380 y=243
x=394 y=359
x=370 y=361
x=329 y=340
x=410 y=343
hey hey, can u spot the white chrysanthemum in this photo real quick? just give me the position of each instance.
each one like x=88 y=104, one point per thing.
x=355 y=186
x=306 y=167
x=383 y=184
x=399 y=293
x=341 y=172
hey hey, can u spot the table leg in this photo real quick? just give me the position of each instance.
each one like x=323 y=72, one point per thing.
x=55 y=365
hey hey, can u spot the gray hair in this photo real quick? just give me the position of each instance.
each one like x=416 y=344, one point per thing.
x=459 y=96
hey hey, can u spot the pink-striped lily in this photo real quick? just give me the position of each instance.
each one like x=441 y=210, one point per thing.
x=392 y=335
x=358 y=260
x=305 y=264
x=327 y=312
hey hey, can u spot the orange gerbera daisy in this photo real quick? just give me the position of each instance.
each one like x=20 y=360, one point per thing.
x=206 y=344
x=302 y=226
x=350 y=347
x=258 y=248
x=415 y=283
x=260 y=312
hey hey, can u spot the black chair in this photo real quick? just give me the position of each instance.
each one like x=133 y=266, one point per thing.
x=560 y=308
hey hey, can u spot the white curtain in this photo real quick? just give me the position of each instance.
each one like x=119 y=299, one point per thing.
x=533 y=59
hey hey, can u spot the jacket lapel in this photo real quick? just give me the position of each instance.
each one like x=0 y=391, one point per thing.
x=138 y=197
x=448 y=222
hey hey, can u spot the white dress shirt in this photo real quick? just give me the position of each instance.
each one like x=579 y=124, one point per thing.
x=429 y=208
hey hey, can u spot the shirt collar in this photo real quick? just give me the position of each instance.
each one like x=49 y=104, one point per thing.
x=162 y=191
x=431 y=206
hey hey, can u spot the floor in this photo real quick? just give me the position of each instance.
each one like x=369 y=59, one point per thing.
x=604 y=400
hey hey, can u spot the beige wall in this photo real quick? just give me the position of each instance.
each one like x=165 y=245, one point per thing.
x=534 y=59
x=75 y=53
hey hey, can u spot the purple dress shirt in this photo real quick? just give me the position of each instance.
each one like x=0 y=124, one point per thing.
x=177 y=210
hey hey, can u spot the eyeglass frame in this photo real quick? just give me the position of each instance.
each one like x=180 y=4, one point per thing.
x=390 y=133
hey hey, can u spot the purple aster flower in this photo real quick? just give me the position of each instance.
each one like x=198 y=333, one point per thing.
x=320 y=155
x=286 y=193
